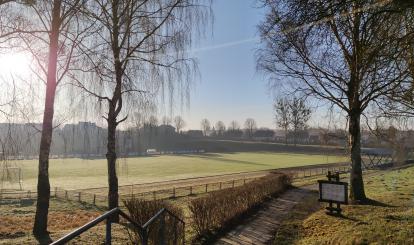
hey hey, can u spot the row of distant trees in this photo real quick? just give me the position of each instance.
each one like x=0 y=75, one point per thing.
x=234 y=129
x=140 y=120
x=292 y=115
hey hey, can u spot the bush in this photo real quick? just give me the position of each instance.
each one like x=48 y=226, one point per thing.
x=221 y=208
x=141 y=211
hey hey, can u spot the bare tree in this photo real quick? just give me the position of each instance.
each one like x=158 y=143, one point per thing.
x=401 y=103
x=138 y=120
x=152 y=124
x=179 y=123
x=11 y=24
x=153 y=121
x=282 y=115
x=250 y=126
x=139 y=48
x=220 y=128
x=166 y=120
x=48 y=25
x=344 y=52
x=205 y=126
x=300 y=114
x=233 y=126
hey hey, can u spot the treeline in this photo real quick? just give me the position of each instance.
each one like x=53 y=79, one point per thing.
x=88 y=140
x=234 y=130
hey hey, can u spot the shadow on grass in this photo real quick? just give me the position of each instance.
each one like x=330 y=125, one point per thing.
x=366 y=202
x=219 y=158
x=341 y=216
x=371 y=202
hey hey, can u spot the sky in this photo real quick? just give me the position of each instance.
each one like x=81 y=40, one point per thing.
x=230 y=88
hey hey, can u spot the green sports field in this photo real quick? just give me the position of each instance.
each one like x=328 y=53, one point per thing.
x=79 y=173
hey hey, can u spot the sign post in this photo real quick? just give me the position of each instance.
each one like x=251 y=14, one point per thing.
x=333 y=191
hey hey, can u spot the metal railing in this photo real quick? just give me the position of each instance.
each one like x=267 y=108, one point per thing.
x=143 y=231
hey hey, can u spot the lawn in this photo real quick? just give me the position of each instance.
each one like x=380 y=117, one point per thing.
x=389 y=219
x=79 y=173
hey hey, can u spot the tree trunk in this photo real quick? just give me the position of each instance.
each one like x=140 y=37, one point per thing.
x=115 y=106
x=357 y=192
x=111 y=160
x=294 y=137
x=43 y=185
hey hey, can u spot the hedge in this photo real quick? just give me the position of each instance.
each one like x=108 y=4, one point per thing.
x=220 y=208
x=141 y=211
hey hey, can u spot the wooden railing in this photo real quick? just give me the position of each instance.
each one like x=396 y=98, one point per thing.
x=143 y=231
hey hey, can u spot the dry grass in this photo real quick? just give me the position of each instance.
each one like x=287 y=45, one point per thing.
x=16 y=220
x=12 y=224
x=387 y=220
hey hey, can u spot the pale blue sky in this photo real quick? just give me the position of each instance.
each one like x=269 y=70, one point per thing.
x=230 y=88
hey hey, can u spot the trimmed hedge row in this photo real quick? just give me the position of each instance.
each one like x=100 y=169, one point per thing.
x=141 y=211
x=220 y=208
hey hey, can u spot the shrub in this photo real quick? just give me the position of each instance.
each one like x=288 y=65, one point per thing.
x=221 y=208
x=142 y=211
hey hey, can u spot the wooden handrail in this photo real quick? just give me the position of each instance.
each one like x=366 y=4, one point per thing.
x=142 y=230
x=86 y=227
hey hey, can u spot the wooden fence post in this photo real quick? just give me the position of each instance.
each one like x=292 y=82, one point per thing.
x=55 y=191
x=66 y=195
x=206 y=188
x=220 y=185
x=191 y=190
x=79 y=197
x=174 y=192
x=154 y=195
x=244 y=181
x=233 y=184
x=94 y=199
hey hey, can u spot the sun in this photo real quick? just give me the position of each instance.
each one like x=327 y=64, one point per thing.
x=14 y=64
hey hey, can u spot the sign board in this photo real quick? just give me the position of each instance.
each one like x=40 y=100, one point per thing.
x=333 y=191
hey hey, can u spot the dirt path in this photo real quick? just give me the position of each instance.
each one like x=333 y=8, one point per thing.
x=261 y=228
x=163 y=185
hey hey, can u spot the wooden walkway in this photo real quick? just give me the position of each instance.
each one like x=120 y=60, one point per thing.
x=261 y=227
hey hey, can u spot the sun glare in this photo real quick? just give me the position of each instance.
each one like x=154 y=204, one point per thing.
x=16 y=64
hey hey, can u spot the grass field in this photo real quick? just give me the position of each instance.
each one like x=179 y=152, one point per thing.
x=79 y=173
x=389 y=219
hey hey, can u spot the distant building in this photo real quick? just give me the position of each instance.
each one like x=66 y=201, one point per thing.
x=263 y=134
x=85 y=139
x=195 y=133
x=166 y=129
x=279 y=136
